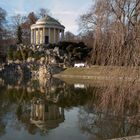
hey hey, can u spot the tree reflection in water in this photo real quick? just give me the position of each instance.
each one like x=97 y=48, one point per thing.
x=106 y=115
x=40 y=108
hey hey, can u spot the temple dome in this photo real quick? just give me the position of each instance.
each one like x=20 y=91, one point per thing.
x=47 y=30
x=48 y=20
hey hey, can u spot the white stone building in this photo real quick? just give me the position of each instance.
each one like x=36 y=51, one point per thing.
x=47 y=30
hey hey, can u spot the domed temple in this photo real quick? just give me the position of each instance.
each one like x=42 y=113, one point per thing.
x=47 y=30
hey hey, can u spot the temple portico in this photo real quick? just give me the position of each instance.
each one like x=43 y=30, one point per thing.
x=47 y=30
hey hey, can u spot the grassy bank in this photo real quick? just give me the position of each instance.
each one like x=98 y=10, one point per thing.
x=96 y=74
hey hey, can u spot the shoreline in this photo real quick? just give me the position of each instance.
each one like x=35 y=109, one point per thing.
x=100 y=74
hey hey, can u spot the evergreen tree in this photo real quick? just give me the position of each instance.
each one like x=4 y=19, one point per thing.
x=19 y=35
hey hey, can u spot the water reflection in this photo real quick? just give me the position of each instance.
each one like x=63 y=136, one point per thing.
x=82 y=86
x=35 y=109
x=103 y=126
x=45 y=115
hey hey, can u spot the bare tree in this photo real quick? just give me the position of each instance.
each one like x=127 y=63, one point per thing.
x=43 y=12
x=17 y=20
x=86 y=37
x=24 y=23
x=69 y=36
x=31 y=19
x=2 y=21
x=115 y=25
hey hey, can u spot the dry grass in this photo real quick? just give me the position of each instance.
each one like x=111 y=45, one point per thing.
x=100 y=73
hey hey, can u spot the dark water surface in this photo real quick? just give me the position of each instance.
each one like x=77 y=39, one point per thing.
x=54 y=110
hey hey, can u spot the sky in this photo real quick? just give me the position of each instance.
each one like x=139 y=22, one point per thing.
x=66 y=11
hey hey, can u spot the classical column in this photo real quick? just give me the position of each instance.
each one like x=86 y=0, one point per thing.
x=43 y=35
x=34 y=36
x=31 y=36
x=49 y=35
x=58 y=35
x=38 y=36
x=54 y=36
x=62 y=35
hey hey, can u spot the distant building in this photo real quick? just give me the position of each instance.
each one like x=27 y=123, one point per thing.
x=47 y=30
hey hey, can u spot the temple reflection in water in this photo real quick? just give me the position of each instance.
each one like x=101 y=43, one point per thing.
x=46 y=115
x=34 y=108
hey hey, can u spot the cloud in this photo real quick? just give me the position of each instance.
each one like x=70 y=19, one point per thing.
x=64 y=13
x=20 y=12
x=67 y=11
x=68 y=19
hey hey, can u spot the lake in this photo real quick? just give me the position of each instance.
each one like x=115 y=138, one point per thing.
x=55 y=110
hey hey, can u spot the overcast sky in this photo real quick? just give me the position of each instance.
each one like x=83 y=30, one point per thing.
x=66 y=11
